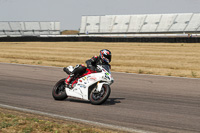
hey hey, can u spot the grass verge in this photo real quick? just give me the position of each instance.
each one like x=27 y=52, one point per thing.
x=20 y=122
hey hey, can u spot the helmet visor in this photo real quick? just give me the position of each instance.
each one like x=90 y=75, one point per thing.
x=108 y=57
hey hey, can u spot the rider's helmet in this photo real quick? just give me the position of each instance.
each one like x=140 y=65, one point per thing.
x=105 y=55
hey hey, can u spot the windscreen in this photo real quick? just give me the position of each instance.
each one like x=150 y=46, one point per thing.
x=107 y=68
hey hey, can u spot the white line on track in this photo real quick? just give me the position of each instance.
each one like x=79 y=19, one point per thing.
x=75 y=119
x=112 y=72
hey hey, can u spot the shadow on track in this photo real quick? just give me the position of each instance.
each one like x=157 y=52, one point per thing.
x=109 y=101
x=113 y=101
x=77 y=100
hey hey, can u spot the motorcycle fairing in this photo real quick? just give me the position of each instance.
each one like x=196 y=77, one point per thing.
x=80 y=90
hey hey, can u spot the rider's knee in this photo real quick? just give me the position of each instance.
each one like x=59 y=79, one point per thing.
x=79 y=69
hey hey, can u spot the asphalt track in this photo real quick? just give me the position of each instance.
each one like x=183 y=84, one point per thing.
x=138 y=102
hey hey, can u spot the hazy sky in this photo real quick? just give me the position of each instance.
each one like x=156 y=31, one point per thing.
x=69 y=12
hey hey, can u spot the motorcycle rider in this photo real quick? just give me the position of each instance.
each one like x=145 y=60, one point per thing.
x=103 y=59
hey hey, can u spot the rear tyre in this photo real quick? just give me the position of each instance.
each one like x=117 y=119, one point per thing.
x=97 y=98
x=58 y=91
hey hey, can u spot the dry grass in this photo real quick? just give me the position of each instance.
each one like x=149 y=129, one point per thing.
x=178 y=59
x=21 y=122
x=69 y=32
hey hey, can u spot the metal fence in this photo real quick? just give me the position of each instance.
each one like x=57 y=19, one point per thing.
x=100 y=39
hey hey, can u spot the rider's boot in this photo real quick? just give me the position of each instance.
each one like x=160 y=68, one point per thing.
x=68 y=80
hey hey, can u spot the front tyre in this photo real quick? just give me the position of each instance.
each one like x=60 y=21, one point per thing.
x=58 y=91
x=100 y=97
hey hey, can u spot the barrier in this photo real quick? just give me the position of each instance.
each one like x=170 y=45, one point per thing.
x=102 y=39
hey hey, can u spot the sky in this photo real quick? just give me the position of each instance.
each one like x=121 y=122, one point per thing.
x=69 y=12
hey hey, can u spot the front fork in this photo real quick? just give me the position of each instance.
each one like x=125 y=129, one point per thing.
x=99 y=86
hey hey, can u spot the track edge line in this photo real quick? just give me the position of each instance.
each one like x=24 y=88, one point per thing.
x=121 y=128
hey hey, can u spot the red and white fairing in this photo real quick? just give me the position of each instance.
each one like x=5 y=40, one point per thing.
x=80 y=89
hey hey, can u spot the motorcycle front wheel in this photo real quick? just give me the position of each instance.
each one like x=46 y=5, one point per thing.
x=97 y=98
x=58 y=91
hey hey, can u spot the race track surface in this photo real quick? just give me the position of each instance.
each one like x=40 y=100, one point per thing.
x=144 y=102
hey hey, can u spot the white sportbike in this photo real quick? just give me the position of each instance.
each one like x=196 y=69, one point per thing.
x=94 y=87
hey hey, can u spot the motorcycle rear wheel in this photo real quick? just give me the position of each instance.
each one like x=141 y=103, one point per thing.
x=97 y=98
x=58 y=91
